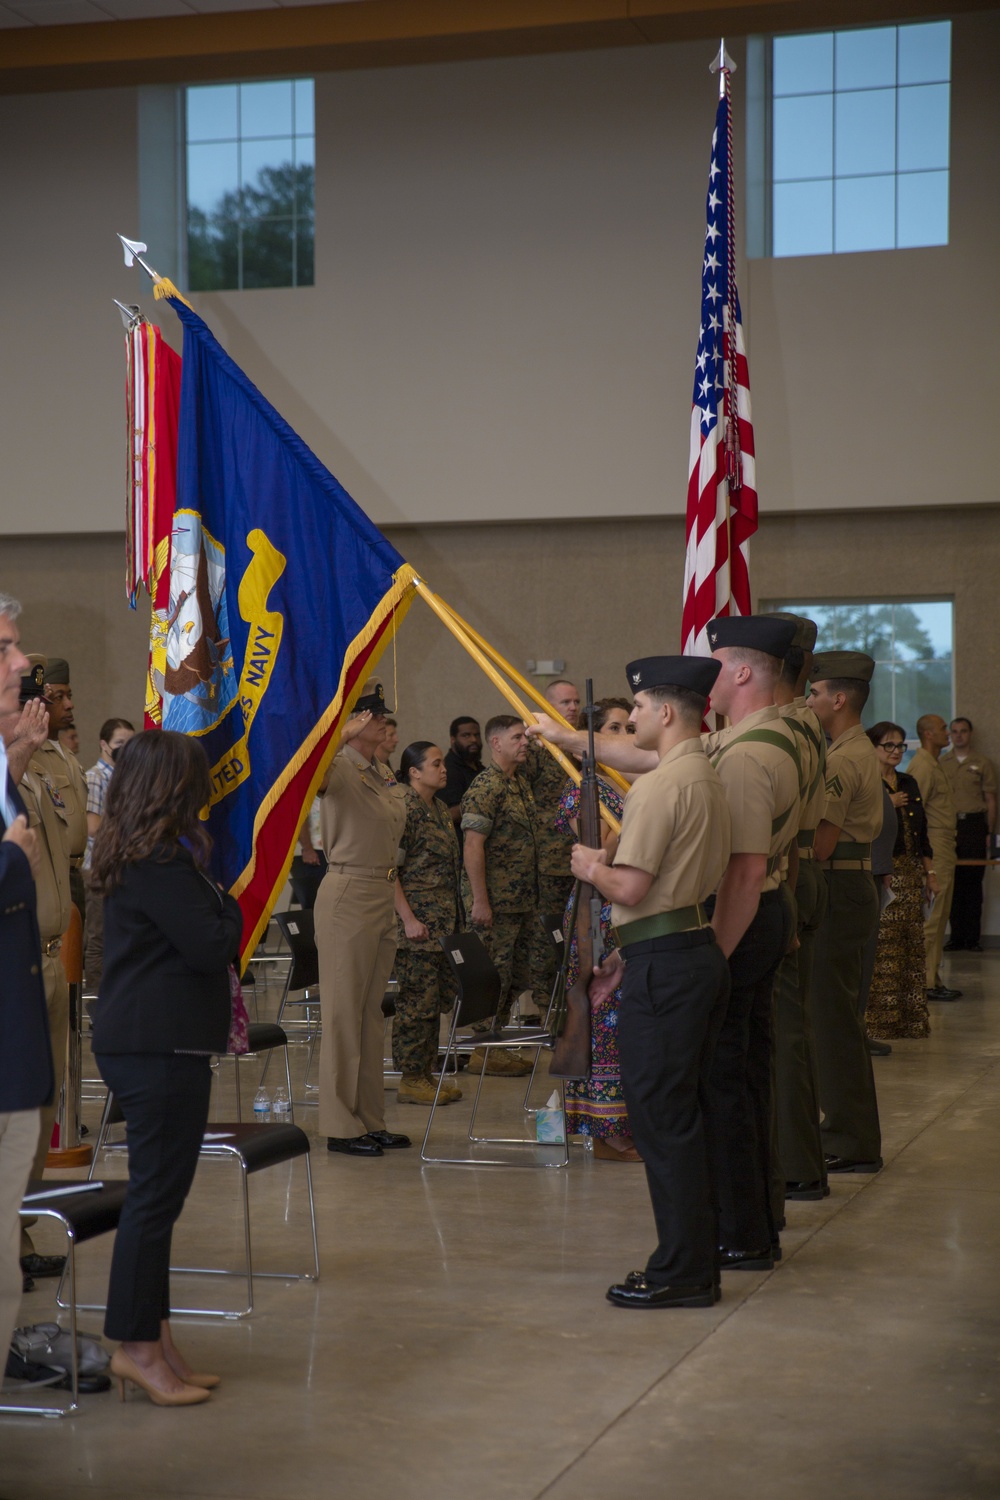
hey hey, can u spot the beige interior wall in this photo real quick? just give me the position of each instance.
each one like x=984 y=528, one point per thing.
x=595 y=593
x=505 y=315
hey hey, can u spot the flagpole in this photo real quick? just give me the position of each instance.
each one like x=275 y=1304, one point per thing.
x=525 y=686
x=723 y=64
x=483 y=661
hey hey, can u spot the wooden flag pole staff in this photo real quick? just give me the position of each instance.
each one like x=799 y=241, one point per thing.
x=526 y=686
x=500 y=683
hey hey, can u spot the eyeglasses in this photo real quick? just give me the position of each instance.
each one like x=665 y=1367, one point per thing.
x=892 y=745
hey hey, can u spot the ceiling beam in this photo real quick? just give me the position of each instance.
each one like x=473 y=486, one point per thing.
x=390 y=33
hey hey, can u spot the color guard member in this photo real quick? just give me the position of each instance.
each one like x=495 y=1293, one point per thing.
x=673 y=850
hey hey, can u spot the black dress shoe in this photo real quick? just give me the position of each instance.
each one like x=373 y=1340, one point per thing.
x=42 y=1265
x=636 y=1291
x=27 y=1285
x=879 y=1049
x=746 y=1260
x=942 y=992
x=354 y=1145
x=848 y=1164
x=807 y=1192
x=388 y=1140
x=973 y=947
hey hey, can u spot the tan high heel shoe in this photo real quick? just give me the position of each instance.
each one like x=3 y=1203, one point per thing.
x=202 y=1382
x=126 y=1369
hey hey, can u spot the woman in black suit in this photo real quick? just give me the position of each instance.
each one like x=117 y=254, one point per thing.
x=164 y=1008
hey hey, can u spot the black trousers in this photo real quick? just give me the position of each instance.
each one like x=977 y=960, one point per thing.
x=306 y=881
x=673 y=996
x=740 y=1096
x=165 y=1103
x=967 y=897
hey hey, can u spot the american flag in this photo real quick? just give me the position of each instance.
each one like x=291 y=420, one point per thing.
x=722 y=493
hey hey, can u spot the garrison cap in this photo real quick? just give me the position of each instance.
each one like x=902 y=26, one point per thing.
x=695 y=673
x=840 y=664
x=805 y=629
x=372 y=698
x=768 y=633
x=57 y=670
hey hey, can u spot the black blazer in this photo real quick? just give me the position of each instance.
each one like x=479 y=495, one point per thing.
x=914 y=812
x=169 y=938
x=26 y=1077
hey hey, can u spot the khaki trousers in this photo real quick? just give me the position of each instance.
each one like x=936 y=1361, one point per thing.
x=944 y=866
x=57 y=1003
x=356 y=942
x=18 y=1138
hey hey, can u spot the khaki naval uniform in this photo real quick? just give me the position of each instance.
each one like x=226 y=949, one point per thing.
x=970 y=778
x=846 y=1083
x=800 y=1145
x=362 y=817
x=676 y=827
x=50 y=817
x=67 y=777
x=939 y=805
x=760 y=765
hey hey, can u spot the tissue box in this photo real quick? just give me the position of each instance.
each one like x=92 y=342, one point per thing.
x=550 y=1126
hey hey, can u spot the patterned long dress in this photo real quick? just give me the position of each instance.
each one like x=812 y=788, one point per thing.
x=596 y=1106
x=896 y=1003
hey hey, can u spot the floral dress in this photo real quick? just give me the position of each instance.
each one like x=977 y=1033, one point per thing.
x=595 y=1106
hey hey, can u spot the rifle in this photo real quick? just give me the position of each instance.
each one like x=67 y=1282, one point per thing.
x=570 y=1012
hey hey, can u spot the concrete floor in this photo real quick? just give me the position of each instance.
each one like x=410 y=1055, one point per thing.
x=458 y=1342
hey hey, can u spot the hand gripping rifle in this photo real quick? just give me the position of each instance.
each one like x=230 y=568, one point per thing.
x=570 y=1013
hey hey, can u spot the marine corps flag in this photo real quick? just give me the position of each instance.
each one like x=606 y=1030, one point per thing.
x=282 y=597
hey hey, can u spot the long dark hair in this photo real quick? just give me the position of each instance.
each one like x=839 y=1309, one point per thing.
x=413 y=758
x=604 y=706
x=159 y=786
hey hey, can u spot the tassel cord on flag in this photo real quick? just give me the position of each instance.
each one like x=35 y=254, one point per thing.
x=526 y=687
x=482 y=660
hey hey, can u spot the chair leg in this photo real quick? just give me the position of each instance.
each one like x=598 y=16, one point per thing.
x=312 y=1215
x=442 y=1074
x=102 y=1134
x=246 y=1234
x=288 y=1085
x=236 y=1076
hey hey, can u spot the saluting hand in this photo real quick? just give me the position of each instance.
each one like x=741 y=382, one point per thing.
x=356 y=724
x=26 y=840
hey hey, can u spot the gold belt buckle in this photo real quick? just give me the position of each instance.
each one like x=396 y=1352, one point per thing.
x=390 y=874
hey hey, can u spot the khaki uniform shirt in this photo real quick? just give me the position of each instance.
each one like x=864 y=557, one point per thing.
x=362 y=814
x=762 y=786
x=548 y=782
x=854 y=787
x=502 y=808
x=430 y=867
x=939 y=803
x=66 y=776
x=970 y=780
x=676 y=827
x=49 y=817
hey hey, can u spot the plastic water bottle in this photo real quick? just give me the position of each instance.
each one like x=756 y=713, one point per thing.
x=261 y=1107
x=281 y=1109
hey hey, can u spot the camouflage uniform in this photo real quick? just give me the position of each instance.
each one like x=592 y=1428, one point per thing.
x=430 y=867
x=548 y=782
x=503 y=809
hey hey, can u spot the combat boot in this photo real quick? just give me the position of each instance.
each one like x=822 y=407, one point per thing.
x=421 y=1088
x=506 y=1064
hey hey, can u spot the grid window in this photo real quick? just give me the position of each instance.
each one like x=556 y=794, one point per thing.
x=860 y=139
x=912 y=647
x=251 y=154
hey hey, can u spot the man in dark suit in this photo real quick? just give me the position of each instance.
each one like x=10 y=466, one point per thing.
x=26 y=1074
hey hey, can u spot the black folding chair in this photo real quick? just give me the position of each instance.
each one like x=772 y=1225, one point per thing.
x=301 y=982
x=478 y=999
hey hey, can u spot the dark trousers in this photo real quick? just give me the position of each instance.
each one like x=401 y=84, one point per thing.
x=967 y=897
x=673 y=996
x=846 y=1082
x=800 y=1145
x=740 y=1104
x=165 y=1103
x=306 y=881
